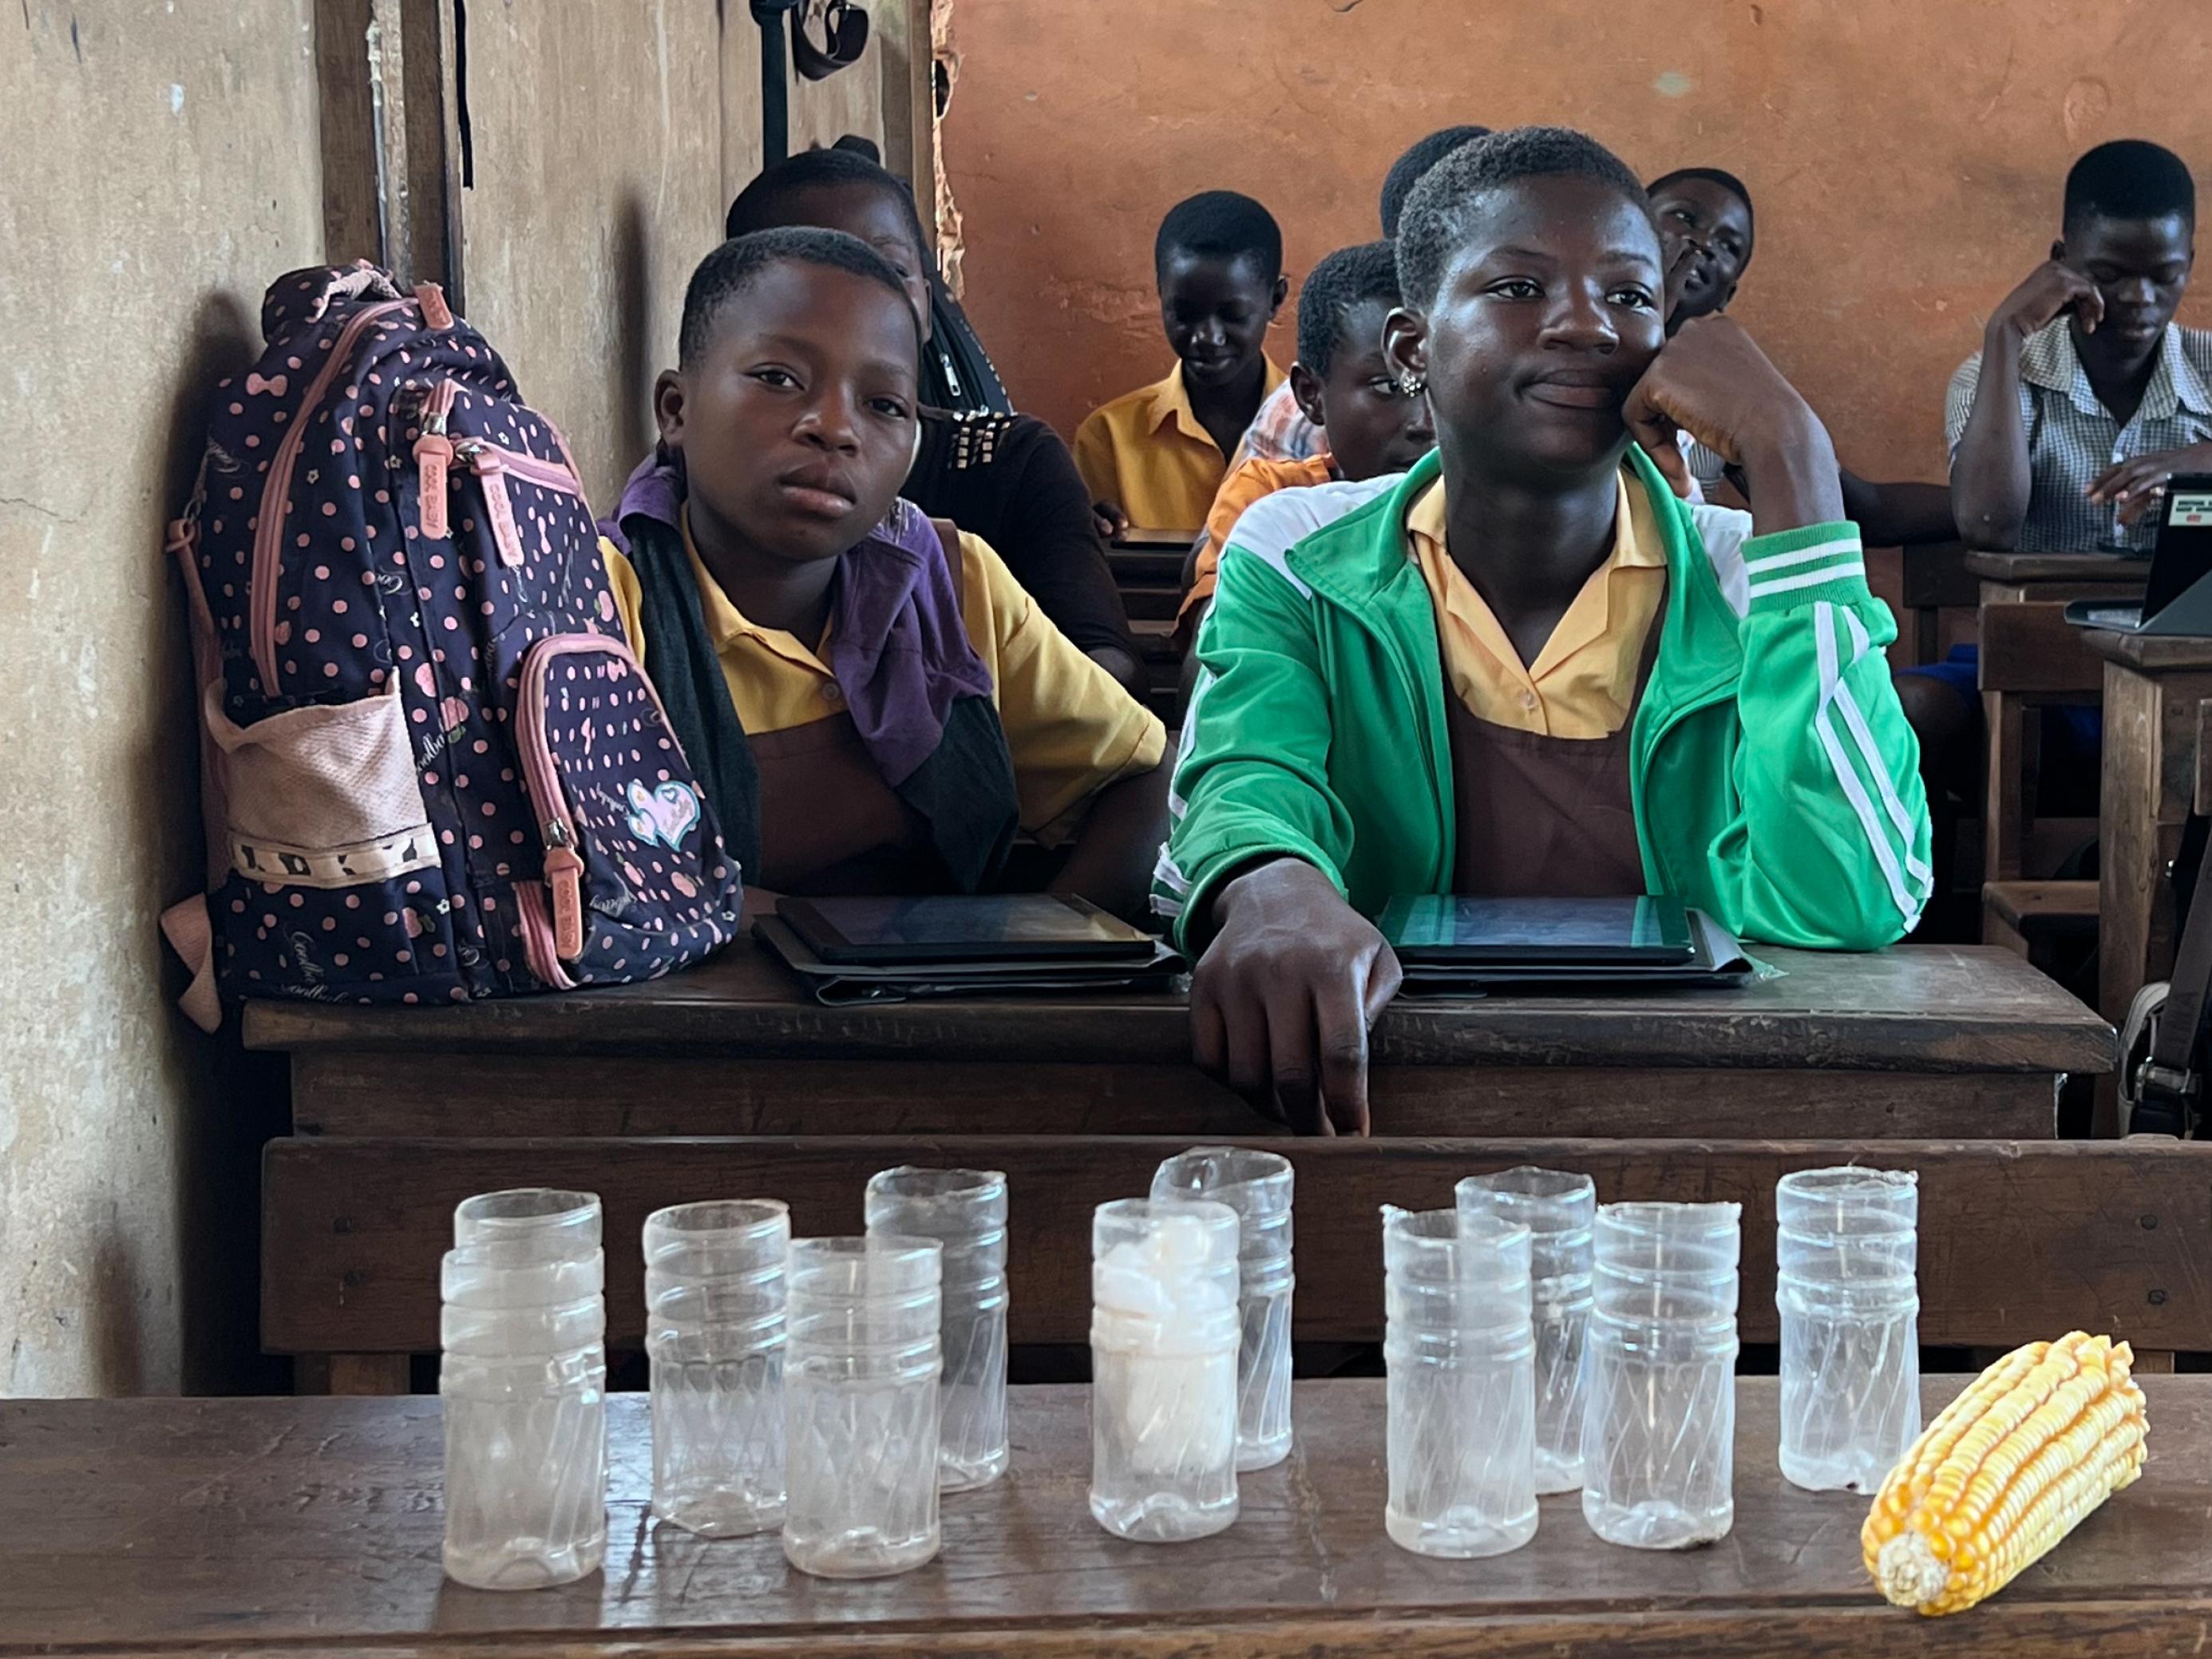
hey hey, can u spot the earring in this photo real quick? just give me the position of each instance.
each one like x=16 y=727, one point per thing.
x=1411 y=385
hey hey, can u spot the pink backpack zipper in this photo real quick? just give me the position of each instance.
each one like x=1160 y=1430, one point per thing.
x=269 y=532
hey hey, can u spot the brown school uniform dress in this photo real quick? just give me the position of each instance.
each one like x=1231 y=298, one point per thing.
x=1541 y=752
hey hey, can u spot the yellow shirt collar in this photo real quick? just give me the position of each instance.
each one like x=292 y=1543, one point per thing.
x=725 y=623
x=1167 y=402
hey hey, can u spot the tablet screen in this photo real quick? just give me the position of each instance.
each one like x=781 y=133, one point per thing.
x=1445 y=927
x=959 y=928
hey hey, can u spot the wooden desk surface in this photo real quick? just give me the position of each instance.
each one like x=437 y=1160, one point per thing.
x=2151 y=653
x=2090 y=567
x=1911 y=1008
x=286 y=1528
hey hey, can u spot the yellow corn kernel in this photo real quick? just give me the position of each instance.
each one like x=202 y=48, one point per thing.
x=2005 y=1471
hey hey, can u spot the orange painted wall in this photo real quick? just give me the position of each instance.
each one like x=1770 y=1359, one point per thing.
x=1905 y=156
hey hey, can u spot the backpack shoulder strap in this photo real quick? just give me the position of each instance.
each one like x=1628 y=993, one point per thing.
x=2171 y=1070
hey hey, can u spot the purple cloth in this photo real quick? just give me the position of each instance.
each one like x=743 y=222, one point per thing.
x=898 y=647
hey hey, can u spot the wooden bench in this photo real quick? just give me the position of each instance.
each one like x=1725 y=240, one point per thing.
x=2034 y=919
x=289 y=1528
x=2018 y=1238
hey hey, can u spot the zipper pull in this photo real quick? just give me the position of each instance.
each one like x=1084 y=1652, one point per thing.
x=485 y=461
x=433 y=453
x=434 y=456
x=564 y=875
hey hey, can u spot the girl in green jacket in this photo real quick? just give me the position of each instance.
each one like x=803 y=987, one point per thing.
x=1745 y=749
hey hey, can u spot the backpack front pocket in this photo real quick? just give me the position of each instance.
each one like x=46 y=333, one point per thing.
x=635 y=877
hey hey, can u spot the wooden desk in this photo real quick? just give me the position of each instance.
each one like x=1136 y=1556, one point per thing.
x=731 y=1079
x=1917 y=1041
x=2157 y=728
x=286 y=1529
x=2030 y=655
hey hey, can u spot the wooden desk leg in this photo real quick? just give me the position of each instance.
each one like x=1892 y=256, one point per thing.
x=2003 y=829
x=2134 y=911
x=350 y=1373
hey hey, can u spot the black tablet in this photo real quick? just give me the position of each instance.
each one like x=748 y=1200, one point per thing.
x=979 y=927
x=1445 y=930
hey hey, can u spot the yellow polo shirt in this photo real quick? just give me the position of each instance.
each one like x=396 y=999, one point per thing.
x=1583 y=684
x=1146 y=453
x=1071 y=729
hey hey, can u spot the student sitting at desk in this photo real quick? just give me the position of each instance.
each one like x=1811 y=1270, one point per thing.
x=1526 y=667
x=1280 y=431
x=1007 y=479
x=1153 y=458
x=1345 y=388
x=2085 y=398
x=1707 y=224
x=872 y=705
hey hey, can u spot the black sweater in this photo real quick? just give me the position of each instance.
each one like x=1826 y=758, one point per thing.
x=1009 y=479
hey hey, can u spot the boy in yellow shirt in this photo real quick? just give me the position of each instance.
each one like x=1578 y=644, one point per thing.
x=1369 y=425
x=1154 y=457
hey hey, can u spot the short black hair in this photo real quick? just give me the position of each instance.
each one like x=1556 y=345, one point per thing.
x=759 y=205
x=1435 y=217
x=1412 y=166
x=1726 y=181
x=2130 y=179
x=725 y=275
x=1222 y=224
x=1347 y=277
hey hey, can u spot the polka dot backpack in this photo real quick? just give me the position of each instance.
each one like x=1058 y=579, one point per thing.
x=433 y=771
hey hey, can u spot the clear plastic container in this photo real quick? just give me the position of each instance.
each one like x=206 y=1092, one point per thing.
x=1659 y=1426
x=523 y=1379
x=1559 y=1209
x=860 y=1395
x=1257 y=1186
x=714 y=1336
x=1163 y=1343
x=964 y=1210
x=535 y=1223
x=1460 y=1354
x=1847 y=1293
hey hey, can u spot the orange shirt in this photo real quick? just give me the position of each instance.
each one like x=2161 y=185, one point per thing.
x=1251 y=481
x=1147 y=452
x=1583 y=684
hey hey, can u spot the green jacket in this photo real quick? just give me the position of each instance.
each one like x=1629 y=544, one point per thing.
x=1775 y=782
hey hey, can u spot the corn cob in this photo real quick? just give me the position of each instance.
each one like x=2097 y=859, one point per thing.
x=2007 y=1470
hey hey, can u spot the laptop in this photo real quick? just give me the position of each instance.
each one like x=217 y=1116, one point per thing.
x=2177 y=597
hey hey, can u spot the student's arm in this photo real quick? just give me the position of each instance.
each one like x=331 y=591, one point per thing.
x=1829 y=844
x=1054 y=550
x=1093 y=450
x=1074 y=737
x=1898 y=514
x=1291 y=975
x=1990 y=484
x=1111 y=861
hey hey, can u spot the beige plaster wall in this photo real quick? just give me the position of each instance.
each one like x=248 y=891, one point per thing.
x=159 y=166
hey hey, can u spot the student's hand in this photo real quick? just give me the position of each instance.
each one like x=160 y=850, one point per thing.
x=1110 y=518
x=1686 y=261
x=1281 y=1001
x=1713 y=381
x=2137 y=485
x=2050 y=291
